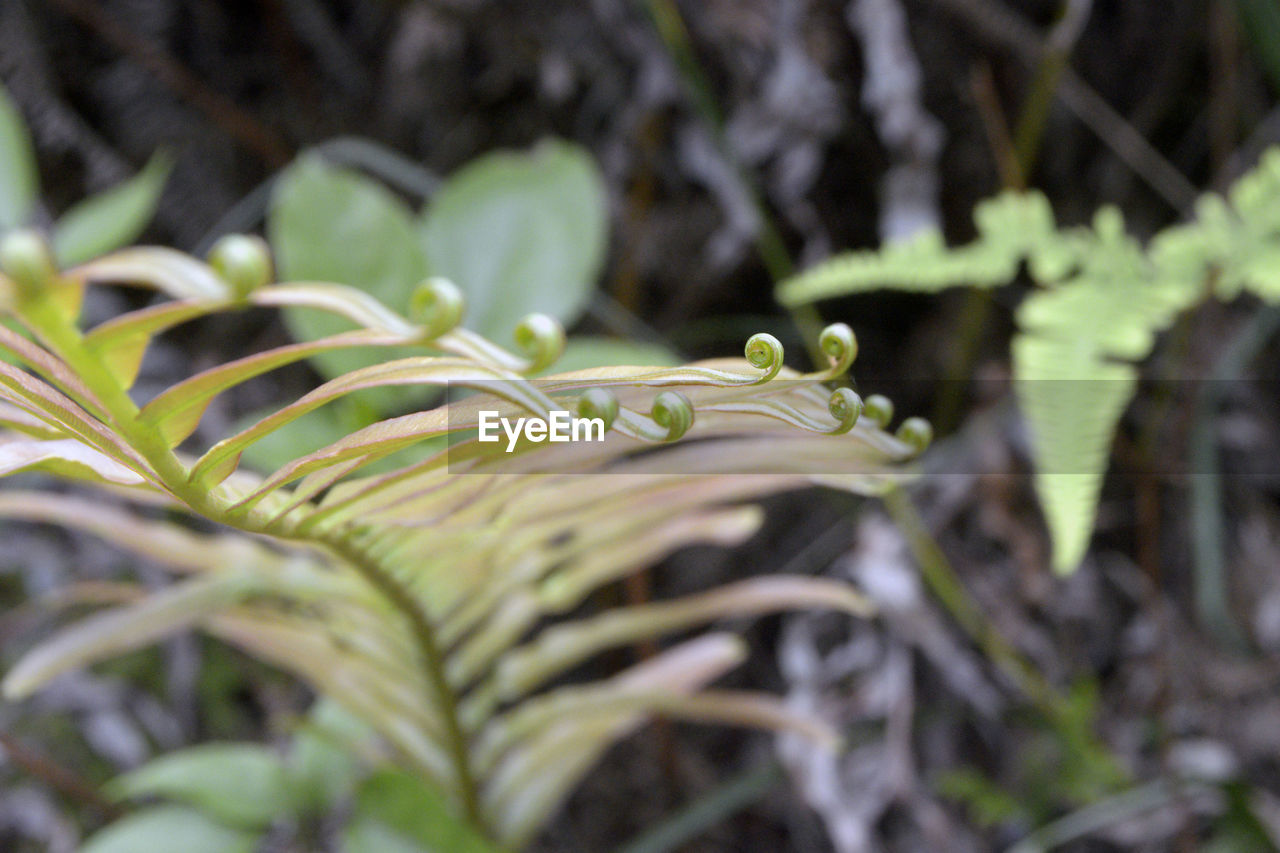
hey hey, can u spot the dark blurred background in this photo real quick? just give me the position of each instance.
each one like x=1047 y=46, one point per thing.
x=739 y=139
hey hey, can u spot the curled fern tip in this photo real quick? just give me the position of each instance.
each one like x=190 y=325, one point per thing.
x=243 y=261
x=879 y=408
x=841 y=346
x=25 y=257
x=673 y=411
x=541 y=338
x=764 y=351
x=437 y=305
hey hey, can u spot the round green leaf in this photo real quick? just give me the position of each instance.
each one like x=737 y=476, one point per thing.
x=520 y=233
x=19 y=181
x=332 y=224
x=113 y=218
x=239 y=784
x=163 y=829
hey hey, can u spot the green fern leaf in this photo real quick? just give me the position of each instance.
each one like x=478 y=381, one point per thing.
x=1103 y=298
x=434 y=601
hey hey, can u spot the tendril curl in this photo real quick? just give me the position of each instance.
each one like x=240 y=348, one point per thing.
x=437 y=305
x=764 y=351
x=673 y=412
x=541 y=339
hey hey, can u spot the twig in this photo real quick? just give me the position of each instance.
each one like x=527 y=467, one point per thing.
x=707 y=811
x=58 y=777
x=1212 y=604
x=221 y=110
x=769 y=245
x=1011 y=32
x=1053 y=61
x=946 y=586
x=1102 y=814
x=996 y=125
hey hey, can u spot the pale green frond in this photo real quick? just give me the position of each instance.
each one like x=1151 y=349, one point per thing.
x=432 y=598
x=1012 y=227
x=167 y=271
x=169 y=544
x=118 y=630
x=1103 y=299
x=529 y=782
x=729 y=707
x=51 y=407
x=122 y=341
x=66 y=457
x=561 y=647
x=177 y=411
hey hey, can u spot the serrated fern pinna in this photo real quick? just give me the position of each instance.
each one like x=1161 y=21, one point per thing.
x=1102 y=298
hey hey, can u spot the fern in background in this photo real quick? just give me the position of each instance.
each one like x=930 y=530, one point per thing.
x=434 y=602
x=1103 y=297
x=96 y=225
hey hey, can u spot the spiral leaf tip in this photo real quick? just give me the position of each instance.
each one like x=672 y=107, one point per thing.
x=437 y=305
x=916 y=432
x=673 y=411
x=26 y=258
x=841 y=345
x=598 y=403
x=242 y=261
x=846 y=407
x=879 y=408
x=765 y=352
x=541 y=338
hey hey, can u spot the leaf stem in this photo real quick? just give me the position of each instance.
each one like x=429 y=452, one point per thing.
x=768 y=240
x=433 y=660
x=65 y=339
x=947 y=587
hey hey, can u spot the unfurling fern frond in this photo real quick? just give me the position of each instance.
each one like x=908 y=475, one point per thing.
x=430 y=599
x=1104 y=297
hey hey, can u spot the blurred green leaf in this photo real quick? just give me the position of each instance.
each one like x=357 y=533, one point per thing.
x=363 y=835
x=1260 y=22
x=583 y=351
x=520 y=233
x=332 y=224
x=19 y=181
x=988 y=803
x=163 y=829
x=239 y=784
x=395 y=811
x=322 y=427
x=113 y=218
x=308 y=433
x=324 y=762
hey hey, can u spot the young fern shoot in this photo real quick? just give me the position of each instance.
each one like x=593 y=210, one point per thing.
x=436 y=601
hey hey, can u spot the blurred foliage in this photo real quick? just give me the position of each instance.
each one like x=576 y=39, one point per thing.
x=1101 y=300
x=439 y=603
x=514 y=231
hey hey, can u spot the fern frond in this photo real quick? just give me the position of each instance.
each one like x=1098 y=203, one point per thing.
x=1102 y=300
x=435 y=600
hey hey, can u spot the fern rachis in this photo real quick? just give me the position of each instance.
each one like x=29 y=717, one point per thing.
x=427 y=600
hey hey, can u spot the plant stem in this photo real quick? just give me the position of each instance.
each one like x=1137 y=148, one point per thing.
x=1212 y=602
x=708 y=810
x=768 y=240
x=946 y=586
x=62 y=336
x=57 y=776
x=433 y=660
